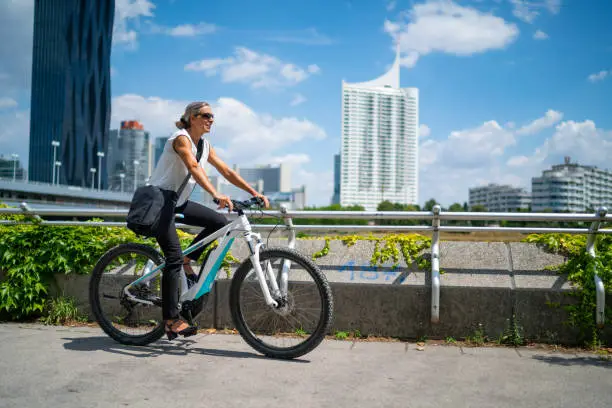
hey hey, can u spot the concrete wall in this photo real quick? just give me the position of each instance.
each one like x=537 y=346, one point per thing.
x=483 y=285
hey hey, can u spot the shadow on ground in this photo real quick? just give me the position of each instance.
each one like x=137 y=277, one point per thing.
x=179 y=347
x=594 y=361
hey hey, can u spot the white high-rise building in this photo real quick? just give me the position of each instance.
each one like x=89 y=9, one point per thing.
x=379 y=152
x=571 y=187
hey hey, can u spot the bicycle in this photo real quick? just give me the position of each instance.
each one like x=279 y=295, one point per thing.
x=279 y=292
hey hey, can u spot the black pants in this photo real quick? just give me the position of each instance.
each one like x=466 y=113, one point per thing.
x=197 y=215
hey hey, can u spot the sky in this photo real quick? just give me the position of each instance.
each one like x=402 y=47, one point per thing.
x=507 y=87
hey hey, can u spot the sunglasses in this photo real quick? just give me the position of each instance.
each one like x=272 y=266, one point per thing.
x=206 y=115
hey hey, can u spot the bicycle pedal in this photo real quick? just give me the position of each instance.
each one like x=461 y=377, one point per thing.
x=188 y=332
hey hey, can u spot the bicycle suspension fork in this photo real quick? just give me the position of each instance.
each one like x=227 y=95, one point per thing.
x=254 y=247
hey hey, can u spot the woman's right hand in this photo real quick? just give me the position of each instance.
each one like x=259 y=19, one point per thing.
x=224 y=201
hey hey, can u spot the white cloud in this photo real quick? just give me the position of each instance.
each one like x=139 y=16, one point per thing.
x=529 y=10
x=240 y=135
x=582 y=141
x=540 y=35
x=190 y=30
x=6 y=102
x=298 y=99
x=15 y=134
x=516 y=161
x=182 y=30
x=600 y=76
x=292 y=158
x=424 y=131
x=258 y=70
x=549 y=119
x=554 y=6
x=487 y=154
x=474 y=147
x=128 y=14
x=447 y=27
x=319 y=185
x=524 y=10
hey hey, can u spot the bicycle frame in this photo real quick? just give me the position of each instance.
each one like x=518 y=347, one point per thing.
x=208 y=274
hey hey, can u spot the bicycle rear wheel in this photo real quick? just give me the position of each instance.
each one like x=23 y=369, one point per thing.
x=309 y=297
x=127 y=321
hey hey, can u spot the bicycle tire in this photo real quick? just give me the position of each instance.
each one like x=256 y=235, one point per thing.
x=94 y=301
x=326 y=315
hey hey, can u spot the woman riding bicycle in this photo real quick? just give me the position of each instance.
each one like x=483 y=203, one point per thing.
x=177 y=160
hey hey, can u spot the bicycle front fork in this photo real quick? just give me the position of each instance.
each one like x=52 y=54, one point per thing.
x=269 y=292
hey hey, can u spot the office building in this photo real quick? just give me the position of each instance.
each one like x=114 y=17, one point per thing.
x=294 y=199
x=571 y=187
x=500 y=198
x=10 y=168
x=129 y=156
x=275 y=178
x=70 y=99
x=379 y=148
x=337 y=172
x=160 y=142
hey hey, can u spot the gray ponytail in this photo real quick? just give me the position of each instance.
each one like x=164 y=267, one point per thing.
x=191 y=109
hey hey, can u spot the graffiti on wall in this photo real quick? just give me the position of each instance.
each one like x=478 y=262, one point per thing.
x=367 y=272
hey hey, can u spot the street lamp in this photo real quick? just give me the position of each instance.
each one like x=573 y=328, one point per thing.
x=93 y=174
x=100 y=156
x=136 y=163
x=55 y=145
x=58 y=164
x=122 y=176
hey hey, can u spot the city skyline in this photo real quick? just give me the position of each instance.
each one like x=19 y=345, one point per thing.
x=506 y=88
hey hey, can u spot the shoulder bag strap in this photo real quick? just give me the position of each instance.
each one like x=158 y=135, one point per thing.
x=198 y=157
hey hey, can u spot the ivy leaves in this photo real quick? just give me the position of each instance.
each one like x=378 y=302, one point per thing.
x=580 y=269
x=387 y=247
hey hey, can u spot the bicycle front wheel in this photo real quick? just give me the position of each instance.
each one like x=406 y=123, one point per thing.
x=303 y=317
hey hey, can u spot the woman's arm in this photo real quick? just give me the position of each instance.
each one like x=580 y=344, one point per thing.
x=183 y=147
x=231 y=176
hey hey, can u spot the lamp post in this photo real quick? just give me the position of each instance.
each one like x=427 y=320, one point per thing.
x=15 y=157
x=55 y=145
x=122 y=176
x=93 y=174
x=136 y=163
x=100 y=156
x=58 y=164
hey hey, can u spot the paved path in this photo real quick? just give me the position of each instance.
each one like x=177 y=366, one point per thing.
x=81 y=367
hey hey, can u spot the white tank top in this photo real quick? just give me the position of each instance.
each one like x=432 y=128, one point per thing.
x=171 y=171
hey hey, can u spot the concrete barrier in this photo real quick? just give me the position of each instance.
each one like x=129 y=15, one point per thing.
x=483 y=286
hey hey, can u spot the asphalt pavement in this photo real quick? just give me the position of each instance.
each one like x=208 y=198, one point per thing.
x=44 y=366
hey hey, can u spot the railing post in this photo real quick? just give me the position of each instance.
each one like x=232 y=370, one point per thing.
x=600 y=291
x=284 y=281
x=289 y=223
x=435 y=266
x=26 y=208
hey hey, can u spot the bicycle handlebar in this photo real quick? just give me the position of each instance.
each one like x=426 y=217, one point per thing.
x=244 y=205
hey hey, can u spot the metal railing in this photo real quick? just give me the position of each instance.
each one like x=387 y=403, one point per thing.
x=433 y=218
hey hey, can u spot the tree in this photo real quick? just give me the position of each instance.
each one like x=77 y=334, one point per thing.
x=455 y=207
x=429 y=204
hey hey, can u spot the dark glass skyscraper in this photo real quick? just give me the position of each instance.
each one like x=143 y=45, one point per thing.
x=70 y=89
